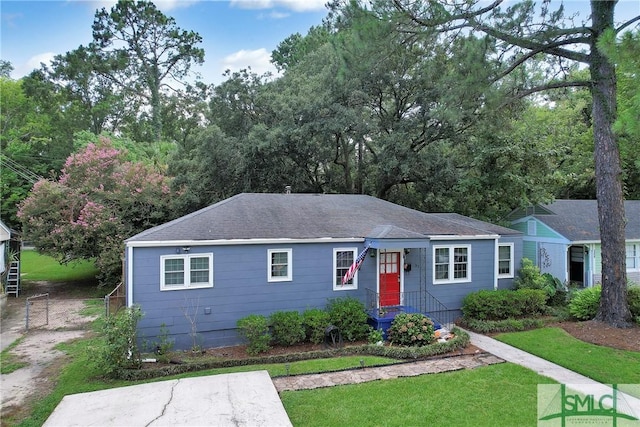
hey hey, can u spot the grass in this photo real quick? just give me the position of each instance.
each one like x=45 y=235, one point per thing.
x=10 y=362
x=602 y=364
x=300 y=367
x=37 y=267
x=495 y=395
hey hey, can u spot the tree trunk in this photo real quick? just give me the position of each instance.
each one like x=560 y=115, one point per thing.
x=613 y=303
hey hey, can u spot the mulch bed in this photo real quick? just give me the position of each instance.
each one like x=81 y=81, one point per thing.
x=595 y=332
x=590 y=331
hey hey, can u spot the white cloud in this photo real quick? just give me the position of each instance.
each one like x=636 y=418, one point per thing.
x=278 y=15
x=167 y=5
x=295 y=5
x=32 y=63
x=259 y=60
x=163 y=5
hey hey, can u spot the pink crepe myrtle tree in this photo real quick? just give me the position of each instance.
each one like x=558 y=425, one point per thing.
x=99 y=200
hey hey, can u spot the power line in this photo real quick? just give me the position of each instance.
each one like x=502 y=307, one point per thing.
x=22 y=171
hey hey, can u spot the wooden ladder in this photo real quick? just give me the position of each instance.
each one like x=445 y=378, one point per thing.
x=13 y=279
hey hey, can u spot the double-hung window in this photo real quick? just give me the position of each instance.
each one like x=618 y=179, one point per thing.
x=505 y=260
x=342 y=260
x=451 y=264
x=186 y=271
x=279 y=265
x=633 y=256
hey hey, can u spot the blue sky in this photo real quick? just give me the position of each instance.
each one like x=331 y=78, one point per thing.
x=236 y=33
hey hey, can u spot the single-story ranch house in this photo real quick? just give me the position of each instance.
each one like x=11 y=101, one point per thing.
x=260 y=253
x=563 y=239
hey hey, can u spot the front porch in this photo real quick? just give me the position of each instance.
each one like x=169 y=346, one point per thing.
x=383 y=308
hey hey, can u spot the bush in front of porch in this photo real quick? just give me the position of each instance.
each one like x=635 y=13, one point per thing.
x=504 y=310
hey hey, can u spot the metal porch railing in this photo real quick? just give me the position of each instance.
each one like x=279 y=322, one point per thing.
x=411 y=302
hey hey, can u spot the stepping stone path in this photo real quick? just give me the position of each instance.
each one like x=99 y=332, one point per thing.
x=409 y=369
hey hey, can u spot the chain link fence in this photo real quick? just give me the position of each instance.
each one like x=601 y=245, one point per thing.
x=115 y=300
x=37 y=311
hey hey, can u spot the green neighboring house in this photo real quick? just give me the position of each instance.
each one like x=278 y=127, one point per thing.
x=563 y=239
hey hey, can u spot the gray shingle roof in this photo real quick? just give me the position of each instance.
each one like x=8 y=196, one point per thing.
x=307 y=216
x=577 y=220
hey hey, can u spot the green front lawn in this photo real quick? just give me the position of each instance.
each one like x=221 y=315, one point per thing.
x=495 y=395
x=603 y=364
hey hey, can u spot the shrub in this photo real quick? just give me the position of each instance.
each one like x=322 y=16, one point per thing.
x=315 y=323
x=413 y=329
x=530 y=302
x=585 y=303
x=375 y=336
x=287 y=327
x=633 y=299
x=506 y=325
x=504 y=304
x=120 y=347
x=255 y=329
x=529 y=276
x=349 y=316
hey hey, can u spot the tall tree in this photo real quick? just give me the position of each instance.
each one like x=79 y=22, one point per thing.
x=625 y=53
x=521 y=38
x=144 y=52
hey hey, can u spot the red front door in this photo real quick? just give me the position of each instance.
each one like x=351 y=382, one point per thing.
x=389 y=278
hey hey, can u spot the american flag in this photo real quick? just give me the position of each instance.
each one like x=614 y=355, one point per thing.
x=355 y=266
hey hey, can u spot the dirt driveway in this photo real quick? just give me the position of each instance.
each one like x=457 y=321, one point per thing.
x=36 y=348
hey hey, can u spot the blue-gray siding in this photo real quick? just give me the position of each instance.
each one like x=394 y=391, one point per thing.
x=241 y=287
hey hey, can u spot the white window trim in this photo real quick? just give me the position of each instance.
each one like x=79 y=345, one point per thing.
x=511 y=272
x=339 y=286
x=289 y=276
x=636 y=256
x=187 y=275
x=532 y=227
x=451 y=263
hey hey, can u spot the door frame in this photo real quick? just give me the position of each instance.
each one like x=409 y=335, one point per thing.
x=400 y=271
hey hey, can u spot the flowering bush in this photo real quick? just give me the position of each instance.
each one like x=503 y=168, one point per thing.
x=412 y=329
x=99 y=200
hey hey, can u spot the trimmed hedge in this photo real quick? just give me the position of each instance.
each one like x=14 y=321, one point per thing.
x=255 y=328
x=460 y=340
x=504 y=304
x=506 y=325
x=348 y=315
x=315 y=321
x=287 y=328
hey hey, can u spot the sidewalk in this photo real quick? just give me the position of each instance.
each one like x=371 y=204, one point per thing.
x=543 y=367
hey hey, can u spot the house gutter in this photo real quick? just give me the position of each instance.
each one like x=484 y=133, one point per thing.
x=228 y=242
x=457 y=237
